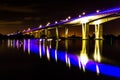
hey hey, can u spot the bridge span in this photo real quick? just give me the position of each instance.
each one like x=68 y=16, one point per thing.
x=96 y=19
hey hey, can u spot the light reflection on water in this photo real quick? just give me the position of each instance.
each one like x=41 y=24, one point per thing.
x=44 y=48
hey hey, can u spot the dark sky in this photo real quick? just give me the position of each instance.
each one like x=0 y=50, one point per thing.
x=21 y=14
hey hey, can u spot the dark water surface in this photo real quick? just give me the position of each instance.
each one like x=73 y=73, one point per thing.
x=60 y=59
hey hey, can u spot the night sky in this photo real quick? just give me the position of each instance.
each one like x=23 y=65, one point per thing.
x=22 y=14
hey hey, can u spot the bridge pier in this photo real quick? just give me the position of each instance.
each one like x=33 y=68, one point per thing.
x=66 y=32
x=85 y=31
x=46 y=33
x=31 y=33
x=57 y=34
x=37 y=34
x=98 y=31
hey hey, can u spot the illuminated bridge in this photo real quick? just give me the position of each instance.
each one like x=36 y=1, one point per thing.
x=96 y=19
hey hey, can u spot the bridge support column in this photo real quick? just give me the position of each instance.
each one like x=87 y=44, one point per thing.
x=34 y=34
x=66 y=32
x=31 y=33
x=57 y=35
x=37 y=34
x=46 y=33
x=98 y=31
x=85 y=31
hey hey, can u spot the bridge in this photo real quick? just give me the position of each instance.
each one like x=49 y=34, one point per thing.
x=84 y=21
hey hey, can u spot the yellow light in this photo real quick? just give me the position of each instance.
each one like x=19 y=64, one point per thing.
x=97 y=56
x=36 y=31
x=28 y=29
x=8 y=43
x=69 y=64
x=84 y=20
x=84 y=58
x=97 y=22
x=69 y=17
x=48 y=24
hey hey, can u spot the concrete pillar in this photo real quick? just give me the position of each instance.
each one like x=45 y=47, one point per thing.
x=46 y=33
x=66 y=32
x=57 y=34
x=85 y=31
x=98 y=31
x=42 y=32
x=37 y=34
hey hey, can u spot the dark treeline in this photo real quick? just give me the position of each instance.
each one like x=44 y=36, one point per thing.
x=17 y=36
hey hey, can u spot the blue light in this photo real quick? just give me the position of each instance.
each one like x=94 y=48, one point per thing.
x=105 y=69
x=34 y=48
x=91 y=65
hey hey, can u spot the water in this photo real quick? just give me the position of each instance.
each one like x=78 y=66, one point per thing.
x=60 y=59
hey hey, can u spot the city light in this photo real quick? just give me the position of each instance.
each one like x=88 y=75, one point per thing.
x=83 y=13
x=40 y=26
x=97 y=11
x=66 y=19
x=56 y=22
x=48 y=24
x=69 y=17
x=79 y=16
x=28 y=29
